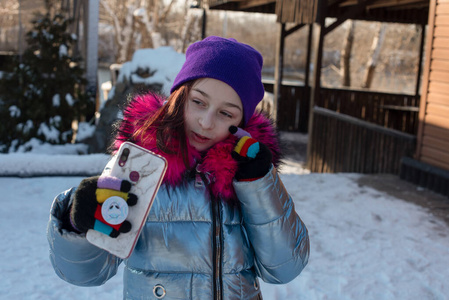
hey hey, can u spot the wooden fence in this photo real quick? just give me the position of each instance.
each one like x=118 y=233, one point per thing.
x=395 y=111
x=341 y=143
x=293 y=107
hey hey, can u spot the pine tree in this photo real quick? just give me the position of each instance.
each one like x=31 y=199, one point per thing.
x=44 y=93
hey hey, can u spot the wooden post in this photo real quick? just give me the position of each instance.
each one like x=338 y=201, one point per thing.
x=316 y=83
x=426 y=73
x=90 y=23
x=279 y=68
x=421 y=55
x=305 y=100
x=308 y=57
x=204 y=24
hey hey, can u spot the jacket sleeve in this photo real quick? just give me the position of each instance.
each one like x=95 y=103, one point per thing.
x=73 y=258
x=279 y=237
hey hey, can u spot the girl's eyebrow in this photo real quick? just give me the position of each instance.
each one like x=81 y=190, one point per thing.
x=207 y=96
x=201 y=92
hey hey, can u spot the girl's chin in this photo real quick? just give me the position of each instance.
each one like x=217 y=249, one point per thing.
x=200 y=148
x=198 y=143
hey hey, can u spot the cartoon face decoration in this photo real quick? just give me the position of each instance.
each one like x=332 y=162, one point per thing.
x=114 y=210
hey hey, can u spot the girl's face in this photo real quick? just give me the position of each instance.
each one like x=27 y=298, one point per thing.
x=212 y=106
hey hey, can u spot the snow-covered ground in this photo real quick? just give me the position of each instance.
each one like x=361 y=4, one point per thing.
x=364 y=244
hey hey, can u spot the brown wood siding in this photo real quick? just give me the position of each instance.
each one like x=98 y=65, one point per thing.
x=440 y=64
x=438 y=121
x=439 y=76
x=433 y=133
x=442 y=144
x=437 y=98
x=296 y=11
x=435 y=157
x=443 y=8
x=435 y=145
x=441 y=42
x=438 y=110
x=434 y=162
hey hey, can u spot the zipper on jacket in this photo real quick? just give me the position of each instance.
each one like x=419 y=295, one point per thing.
x=203 y=179
x=217 y=249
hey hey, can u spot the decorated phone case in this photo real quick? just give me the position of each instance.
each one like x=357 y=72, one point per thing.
x=145 y=170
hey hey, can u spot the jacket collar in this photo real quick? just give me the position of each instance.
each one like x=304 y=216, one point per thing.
x=216 y=165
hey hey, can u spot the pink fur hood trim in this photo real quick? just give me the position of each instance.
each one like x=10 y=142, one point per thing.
x=217 y=163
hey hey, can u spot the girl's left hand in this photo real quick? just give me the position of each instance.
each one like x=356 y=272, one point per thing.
x=253 y=157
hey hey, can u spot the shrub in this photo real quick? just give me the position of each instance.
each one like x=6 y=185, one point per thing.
x=45 y=91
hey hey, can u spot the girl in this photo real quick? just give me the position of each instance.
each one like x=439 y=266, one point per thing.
x=222 y=217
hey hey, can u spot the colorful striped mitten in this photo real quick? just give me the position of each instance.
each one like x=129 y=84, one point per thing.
x=101 y=203
x=253 y=157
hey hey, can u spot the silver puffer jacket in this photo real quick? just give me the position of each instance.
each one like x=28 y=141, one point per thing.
x=195 y=248
x=200 y=241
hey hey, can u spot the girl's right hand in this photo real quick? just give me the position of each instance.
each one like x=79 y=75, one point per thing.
x=89 y=198
x=253 y=157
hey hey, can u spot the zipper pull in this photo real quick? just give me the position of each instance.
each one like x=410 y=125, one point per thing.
x=199 y=183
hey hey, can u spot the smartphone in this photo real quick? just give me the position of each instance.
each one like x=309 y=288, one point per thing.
x=145 y=170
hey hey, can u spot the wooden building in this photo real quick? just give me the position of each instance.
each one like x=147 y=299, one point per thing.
x=341 y=137
x=430 y=165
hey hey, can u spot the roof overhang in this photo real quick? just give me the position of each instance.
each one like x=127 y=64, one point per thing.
x=307 y=11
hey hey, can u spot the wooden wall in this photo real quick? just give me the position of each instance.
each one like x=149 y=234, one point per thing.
x=341 y=143
x=293 y=107
x=433 y=130
x=395 y=111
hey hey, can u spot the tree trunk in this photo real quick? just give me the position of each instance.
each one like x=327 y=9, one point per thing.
x=374 y=56
x=346 y=55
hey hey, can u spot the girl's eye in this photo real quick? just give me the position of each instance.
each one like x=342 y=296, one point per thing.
x=197 y=102
x=226 y=114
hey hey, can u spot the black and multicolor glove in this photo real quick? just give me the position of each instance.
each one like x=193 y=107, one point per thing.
x=101 y=203
x=253 y=157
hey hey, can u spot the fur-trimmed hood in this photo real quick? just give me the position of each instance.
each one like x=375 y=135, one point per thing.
x=217 y=163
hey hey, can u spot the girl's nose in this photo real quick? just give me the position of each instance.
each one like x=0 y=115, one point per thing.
x=207 y=121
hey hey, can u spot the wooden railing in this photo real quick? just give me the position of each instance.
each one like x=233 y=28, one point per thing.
x=395 y=111
x=341 y=143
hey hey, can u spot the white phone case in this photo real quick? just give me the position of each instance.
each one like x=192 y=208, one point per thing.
x=145 y=170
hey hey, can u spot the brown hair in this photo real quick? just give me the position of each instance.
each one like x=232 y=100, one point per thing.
x=169 y=124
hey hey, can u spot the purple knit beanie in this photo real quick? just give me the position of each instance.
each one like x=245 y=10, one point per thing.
x=239 y=65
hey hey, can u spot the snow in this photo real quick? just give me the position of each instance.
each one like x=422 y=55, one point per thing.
x=14 y=111
x=63 y=51
x=56 y=100
x=85 y=130
x=69 y=99
x=365 y=244
x=25 y=128
x=163 y=64
x=50 y=132
x=140 y=12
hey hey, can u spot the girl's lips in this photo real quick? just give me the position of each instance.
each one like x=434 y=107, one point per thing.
x=199 y=138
